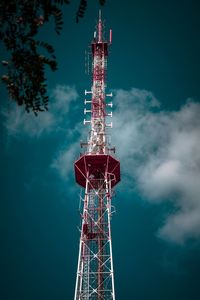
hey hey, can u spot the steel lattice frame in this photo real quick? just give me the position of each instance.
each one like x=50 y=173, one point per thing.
x=95 y=266
x=98 y=172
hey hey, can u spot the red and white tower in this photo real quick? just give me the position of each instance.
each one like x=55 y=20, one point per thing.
x=97 y=171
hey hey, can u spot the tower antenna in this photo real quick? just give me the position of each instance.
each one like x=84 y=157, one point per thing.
x=100 y=29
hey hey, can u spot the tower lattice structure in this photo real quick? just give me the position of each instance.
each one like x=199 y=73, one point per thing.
x=97 y=171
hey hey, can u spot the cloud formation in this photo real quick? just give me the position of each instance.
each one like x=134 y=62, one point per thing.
x=19 y=123
x=63 y=163
x=160 y=154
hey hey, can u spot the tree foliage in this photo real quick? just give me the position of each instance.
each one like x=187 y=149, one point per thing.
x=82 y=8
x=20 y=21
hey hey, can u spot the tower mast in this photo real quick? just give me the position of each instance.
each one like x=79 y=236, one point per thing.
x=97 y=171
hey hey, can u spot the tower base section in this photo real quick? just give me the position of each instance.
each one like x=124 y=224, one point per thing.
x=95 y=278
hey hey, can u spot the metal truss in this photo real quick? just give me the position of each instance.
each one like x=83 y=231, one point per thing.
x=95 y=278
x=97 y=171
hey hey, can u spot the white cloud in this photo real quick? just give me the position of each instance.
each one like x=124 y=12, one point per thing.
x=64 y=159
x=63 y=163
x=19 y=123
x=160 y=154
x=63 y=95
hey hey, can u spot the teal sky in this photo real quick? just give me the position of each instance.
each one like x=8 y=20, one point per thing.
x=153 y=69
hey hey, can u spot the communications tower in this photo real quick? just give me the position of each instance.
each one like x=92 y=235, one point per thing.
x=97 y=171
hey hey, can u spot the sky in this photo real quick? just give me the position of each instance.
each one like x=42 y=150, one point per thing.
x=153 y=72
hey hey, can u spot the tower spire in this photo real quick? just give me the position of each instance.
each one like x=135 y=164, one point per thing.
x=97 y=171
x=100 y=28
x=99 y=14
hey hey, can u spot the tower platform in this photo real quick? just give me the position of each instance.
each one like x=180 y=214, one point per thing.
x=95 y=166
